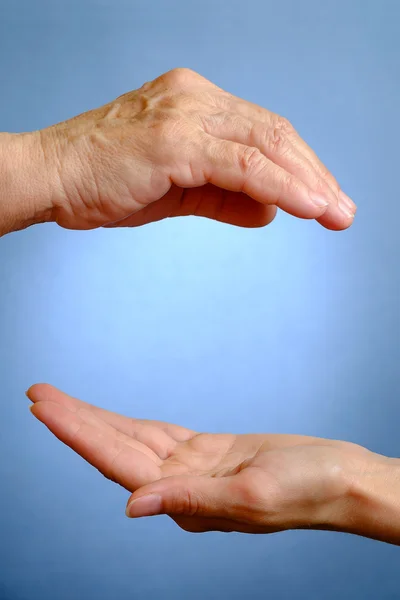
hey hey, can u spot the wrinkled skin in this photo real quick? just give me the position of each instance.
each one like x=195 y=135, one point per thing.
x=180 y=145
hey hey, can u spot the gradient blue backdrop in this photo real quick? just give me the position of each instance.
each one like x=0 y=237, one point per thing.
x=286 y=329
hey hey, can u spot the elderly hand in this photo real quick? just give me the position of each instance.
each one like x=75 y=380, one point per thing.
x=177 y=146
x=246 y=483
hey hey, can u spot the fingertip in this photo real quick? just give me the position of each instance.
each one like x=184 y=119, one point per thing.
x=39 y=391
x=347 y=202
x=28 y=392
x=34 y=391
x=333 y=226
x=42 y=408
x=336 y=219
x=149 y=505
x=34 y=409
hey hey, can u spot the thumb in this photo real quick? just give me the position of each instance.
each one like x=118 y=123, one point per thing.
x=183 y=495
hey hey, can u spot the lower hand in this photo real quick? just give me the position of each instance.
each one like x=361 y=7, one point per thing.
x=246 y=483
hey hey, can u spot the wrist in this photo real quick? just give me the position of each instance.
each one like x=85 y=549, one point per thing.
x=370 y=504
x=25 y=182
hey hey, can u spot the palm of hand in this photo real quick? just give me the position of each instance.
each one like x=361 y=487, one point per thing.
x=252 y=483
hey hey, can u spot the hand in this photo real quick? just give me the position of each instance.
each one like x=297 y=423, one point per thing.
x=180 y=145
x=246 y=483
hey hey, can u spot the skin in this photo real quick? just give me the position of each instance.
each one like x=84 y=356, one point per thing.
x=179 y=145
x=222 y=482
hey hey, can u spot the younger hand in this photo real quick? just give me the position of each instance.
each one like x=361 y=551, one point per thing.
x=246 y=483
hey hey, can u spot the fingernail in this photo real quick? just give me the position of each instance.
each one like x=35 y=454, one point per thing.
x=318 y=200
x=346 y=210
x=348 y=202
x=145 y=506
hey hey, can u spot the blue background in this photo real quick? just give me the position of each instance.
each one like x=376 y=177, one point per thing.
x=291 y=328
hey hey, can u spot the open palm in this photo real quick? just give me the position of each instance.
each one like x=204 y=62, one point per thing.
x=250 y=483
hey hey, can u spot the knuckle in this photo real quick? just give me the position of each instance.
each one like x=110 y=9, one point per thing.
x=147 y=86
x=282 y=124
x=179 y=77
x=277 y=137
x=251 y=161
x=185 y=503
x=285 y=125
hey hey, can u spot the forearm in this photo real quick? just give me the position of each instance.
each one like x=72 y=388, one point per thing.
x=25 y=182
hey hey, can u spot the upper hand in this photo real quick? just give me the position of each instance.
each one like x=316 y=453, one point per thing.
x=247 y=483
x=180 y=145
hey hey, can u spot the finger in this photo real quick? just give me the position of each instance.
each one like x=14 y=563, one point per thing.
x=151 y=440
x=47 y=393
x=337 y=217
x=233 y=208
x=116 y=460
x=279 y=149
x=272 y=120
x=272 y=142
x=90 y=418
x=241 y=168
x=127 y=425
x=156 y=441
x=206 y=201
x=201 y=496
x=344 y=203
x=281 y=128
x=182 y=495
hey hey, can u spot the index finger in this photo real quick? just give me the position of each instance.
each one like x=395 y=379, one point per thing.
x=258 y=113
x=116 y=460
x=128 y=425
x=254 y=111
